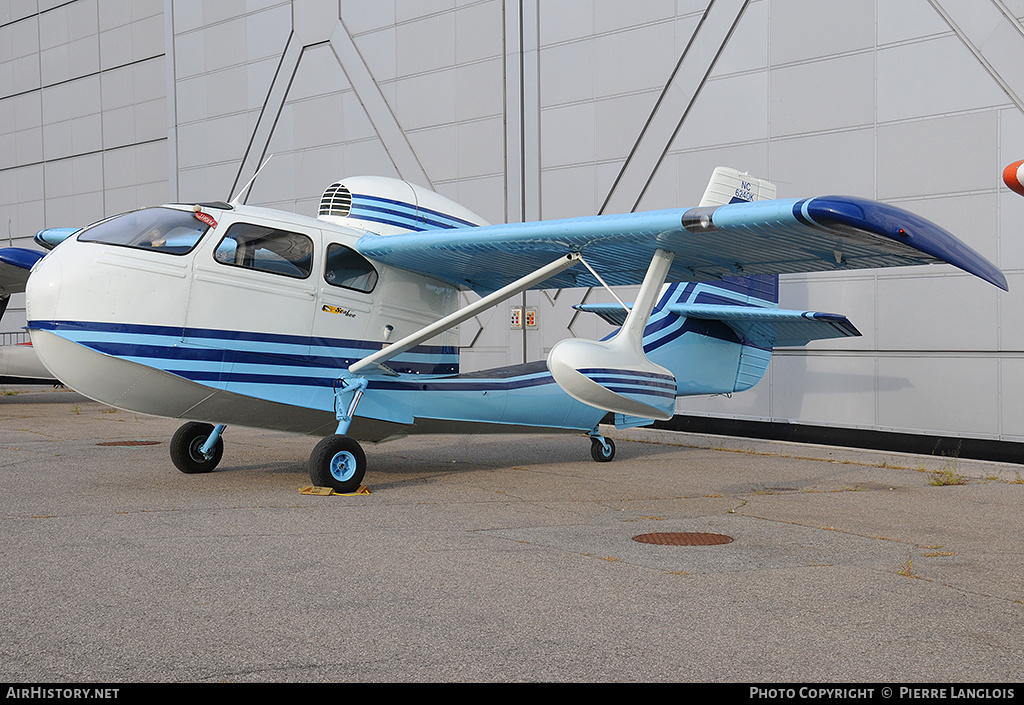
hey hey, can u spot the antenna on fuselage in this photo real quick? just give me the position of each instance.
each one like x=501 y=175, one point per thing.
x=237 y=199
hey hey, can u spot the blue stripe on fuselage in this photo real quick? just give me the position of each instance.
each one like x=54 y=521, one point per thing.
x=166 y=346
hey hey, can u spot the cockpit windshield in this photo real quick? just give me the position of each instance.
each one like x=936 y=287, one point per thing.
x=167 y=230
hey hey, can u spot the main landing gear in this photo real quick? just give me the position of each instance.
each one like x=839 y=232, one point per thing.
x=197 y=447
x=339 y=463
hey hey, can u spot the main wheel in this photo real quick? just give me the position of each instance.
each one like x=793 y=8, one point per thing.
x=598 y=451
x=337 y=462
x=185 y=445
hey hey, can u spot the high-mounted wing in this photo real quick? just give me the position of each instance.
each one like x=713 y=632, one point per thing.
x=15 y=265
x=766 y=237
x=51 y=237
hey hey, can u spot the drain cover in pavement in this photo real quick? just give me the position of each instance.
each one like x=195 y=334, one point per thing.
x=684 y=539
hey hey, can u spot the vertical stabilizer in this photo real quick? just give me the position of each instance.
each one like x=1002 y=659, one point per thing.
x=727 y=186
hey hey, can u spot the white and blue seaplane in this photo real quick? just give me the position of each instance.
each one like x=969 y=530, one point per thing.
x=345 y=325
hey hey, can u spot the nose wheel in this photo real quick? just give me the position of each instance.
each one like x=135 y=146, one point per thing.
x=337 y=462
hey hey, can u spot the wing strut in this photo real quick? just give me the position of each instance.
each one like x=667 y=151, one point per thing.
x=465 y=313
x=349 y=389
x=605 y=285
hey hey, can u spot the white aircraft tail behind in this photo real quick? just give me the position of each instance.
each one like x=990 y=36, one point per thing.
x=732 y=186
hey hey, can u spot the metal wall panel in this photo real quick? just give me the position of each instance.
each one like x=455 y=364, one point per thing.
x=1009 y=408
x=83 y=129
x=808 y=30
x=836 y=388
x=929 y=392
x=807 y=98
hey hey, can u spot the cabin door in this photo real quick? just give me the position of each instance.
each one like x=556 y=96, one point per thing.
x=251 y=308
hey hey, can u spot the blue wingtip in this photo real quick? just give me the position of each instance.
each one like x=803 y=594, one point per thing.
x=901 y=226
x=20 y=257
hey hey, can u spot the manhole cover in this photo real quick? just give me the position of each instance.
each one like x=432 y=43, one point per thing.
x=129 y=443
x=684 y=539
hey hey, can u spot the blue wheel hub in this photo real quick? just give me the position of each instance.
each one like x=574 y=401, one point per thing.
x=343 y=466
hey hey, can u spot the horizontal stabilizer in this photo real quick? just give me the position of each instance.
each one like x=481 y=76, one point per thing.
x=15 y=265
x=772 y=327
x=611 y=313
x=763 y=327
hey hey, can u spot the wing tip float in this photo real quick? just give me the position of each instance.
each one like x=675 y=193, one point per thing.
x=770 y=327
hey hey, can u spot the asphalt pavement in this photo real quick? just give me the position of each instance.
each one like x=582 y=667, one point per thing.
x=498 y=559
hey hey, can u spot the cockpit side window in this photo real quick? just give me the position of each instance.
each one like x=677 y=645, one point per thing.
x=266 y=249
x=165 y=230
x=349 y=269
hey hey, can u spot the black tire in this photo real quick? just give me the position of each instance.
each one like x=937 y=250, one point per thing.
x=337 y=462
x=185 y=445
x=598 y=453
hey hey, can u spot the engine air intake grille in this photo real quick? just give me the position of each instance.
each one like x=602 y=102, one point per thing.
x=337 y=200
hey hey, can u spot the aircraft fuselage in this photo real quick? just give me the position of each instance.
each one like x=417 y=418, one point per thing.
x=248 y=316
